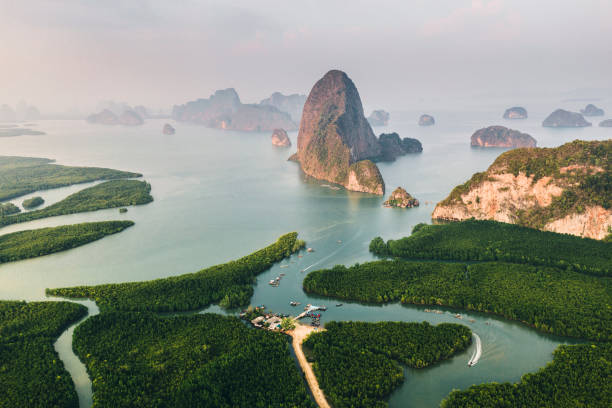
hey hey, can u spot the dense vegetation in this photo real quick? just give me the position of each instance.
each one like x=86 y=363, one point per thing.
x=142 y=360
x=32 y=202
x=31 y=374
x=45 y=241
x=228 y=284
x=551 y=300
x=356 y=363
x=496 y=241
x=8 y=209
x=579 y=376
x=24 y=175
x=110 y=194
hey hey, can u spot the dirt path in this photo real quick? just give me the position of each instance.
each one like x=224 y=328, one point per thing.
x=299 y=334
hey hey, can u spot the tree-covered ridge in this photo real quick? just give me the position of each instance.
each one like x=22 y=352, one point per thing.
x=143 y=360
x=8 y=209
x=229 y=284
x=31 y=373
x=356 y=363
x=32 y=243
x=473 y=240
x=551 y=300
x=110 y=194
x=578 y=376
x=24 y=175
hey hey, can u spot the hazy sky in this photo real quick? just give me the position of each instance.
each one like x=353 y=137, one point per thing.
x=59 y=54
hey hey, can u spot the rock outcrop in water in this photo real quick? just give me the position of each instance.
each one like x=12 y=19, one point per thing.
x=564 y=189
x=130 y=118
x=606 y=123
x=291 y=104
x=401 y=199
x=592 y=110
x=379 y=118
x=106 y=117
x=426 y=120
x=392 y=146
x=168 y=129
x=500 y=136
x=280 y=138
x=223 y=110
x=563 y=118
x=516 y=112
x=335 y=141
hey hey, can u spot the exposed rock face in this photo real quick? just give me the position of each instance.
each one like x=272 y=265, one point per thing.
x=130 y=118
x=105 y=117
x=500 y=136
x=516 y=112
x=564 y=190
x=379 y=118
x=606 y=123
x=392 y=146
x=335 y=140
x=280 y=138
x=291 y=104
x=400 y=198
x=426 y=120
x=563 y=118
x=168 y=129
x=592 y=110
x=223 y=110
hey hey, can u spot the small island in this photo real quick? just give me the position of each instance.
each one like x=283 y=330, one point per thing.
x=563 y=118
x=392 y=146
x=168 y=129
x=379 y=118
x=592 y=110
x=107 y=117
x=500 y=136
x=606 y=123
x=32 y=202
x=427 y=120
x=280 y=138
x=401 y=199
x=516 y=112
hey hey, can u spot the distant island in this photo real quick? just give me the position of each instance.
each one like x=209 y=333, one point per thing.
x=223 y=110
x=291 y=104
x=168 y=129
x=516 y=112
x=563 y=118
x=280 y=138
x=592 y=110
x=500 y=136
x=392 y=146
x=400 y=198
x=107 y=117
x=32 y=202
x=12 y=131
x=426 y=120
x=379 y=118
x=563 y=189
x=606 y=123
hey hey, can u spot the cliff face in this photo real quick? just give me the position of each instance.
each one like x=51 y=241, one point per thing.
x=500 y=136
x=280 y=138
x=223 y=110
x=335 y=140
x=563 y=118
x=516 y=112
x=291 y=104
x=565 y=189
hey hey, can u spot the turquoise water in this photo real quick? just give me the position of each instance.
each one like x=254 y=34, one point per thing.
x=220 y=195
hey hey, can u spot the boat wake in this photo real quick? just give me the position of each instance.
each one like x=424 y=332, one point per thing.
x=477 y=353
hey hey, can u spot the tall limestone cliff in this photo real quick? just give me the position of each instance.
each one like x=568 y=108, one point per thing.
x=564 y=189
x=335 y=141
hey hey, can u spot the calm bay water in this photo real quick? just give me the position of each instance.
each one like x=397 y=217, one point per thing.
x=220 y=195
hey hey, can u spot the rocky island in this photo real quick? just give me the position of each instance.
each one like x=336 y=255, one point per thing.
x=606 y=123
x=516 y=112
x=426 y=120
x=563 y=189
x=392 y=146
x=592 y=110
x=107 y=117
x=223 y=110
x=563 y=118
x=168 y=129
x=280 y=138
x=401 y=199
x=500 y=136
x=291 y=104
x=379 y=118
x=335 y=141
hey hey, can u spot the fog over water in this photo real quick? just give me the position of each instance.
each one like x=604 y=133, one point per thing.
x=68 y=55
